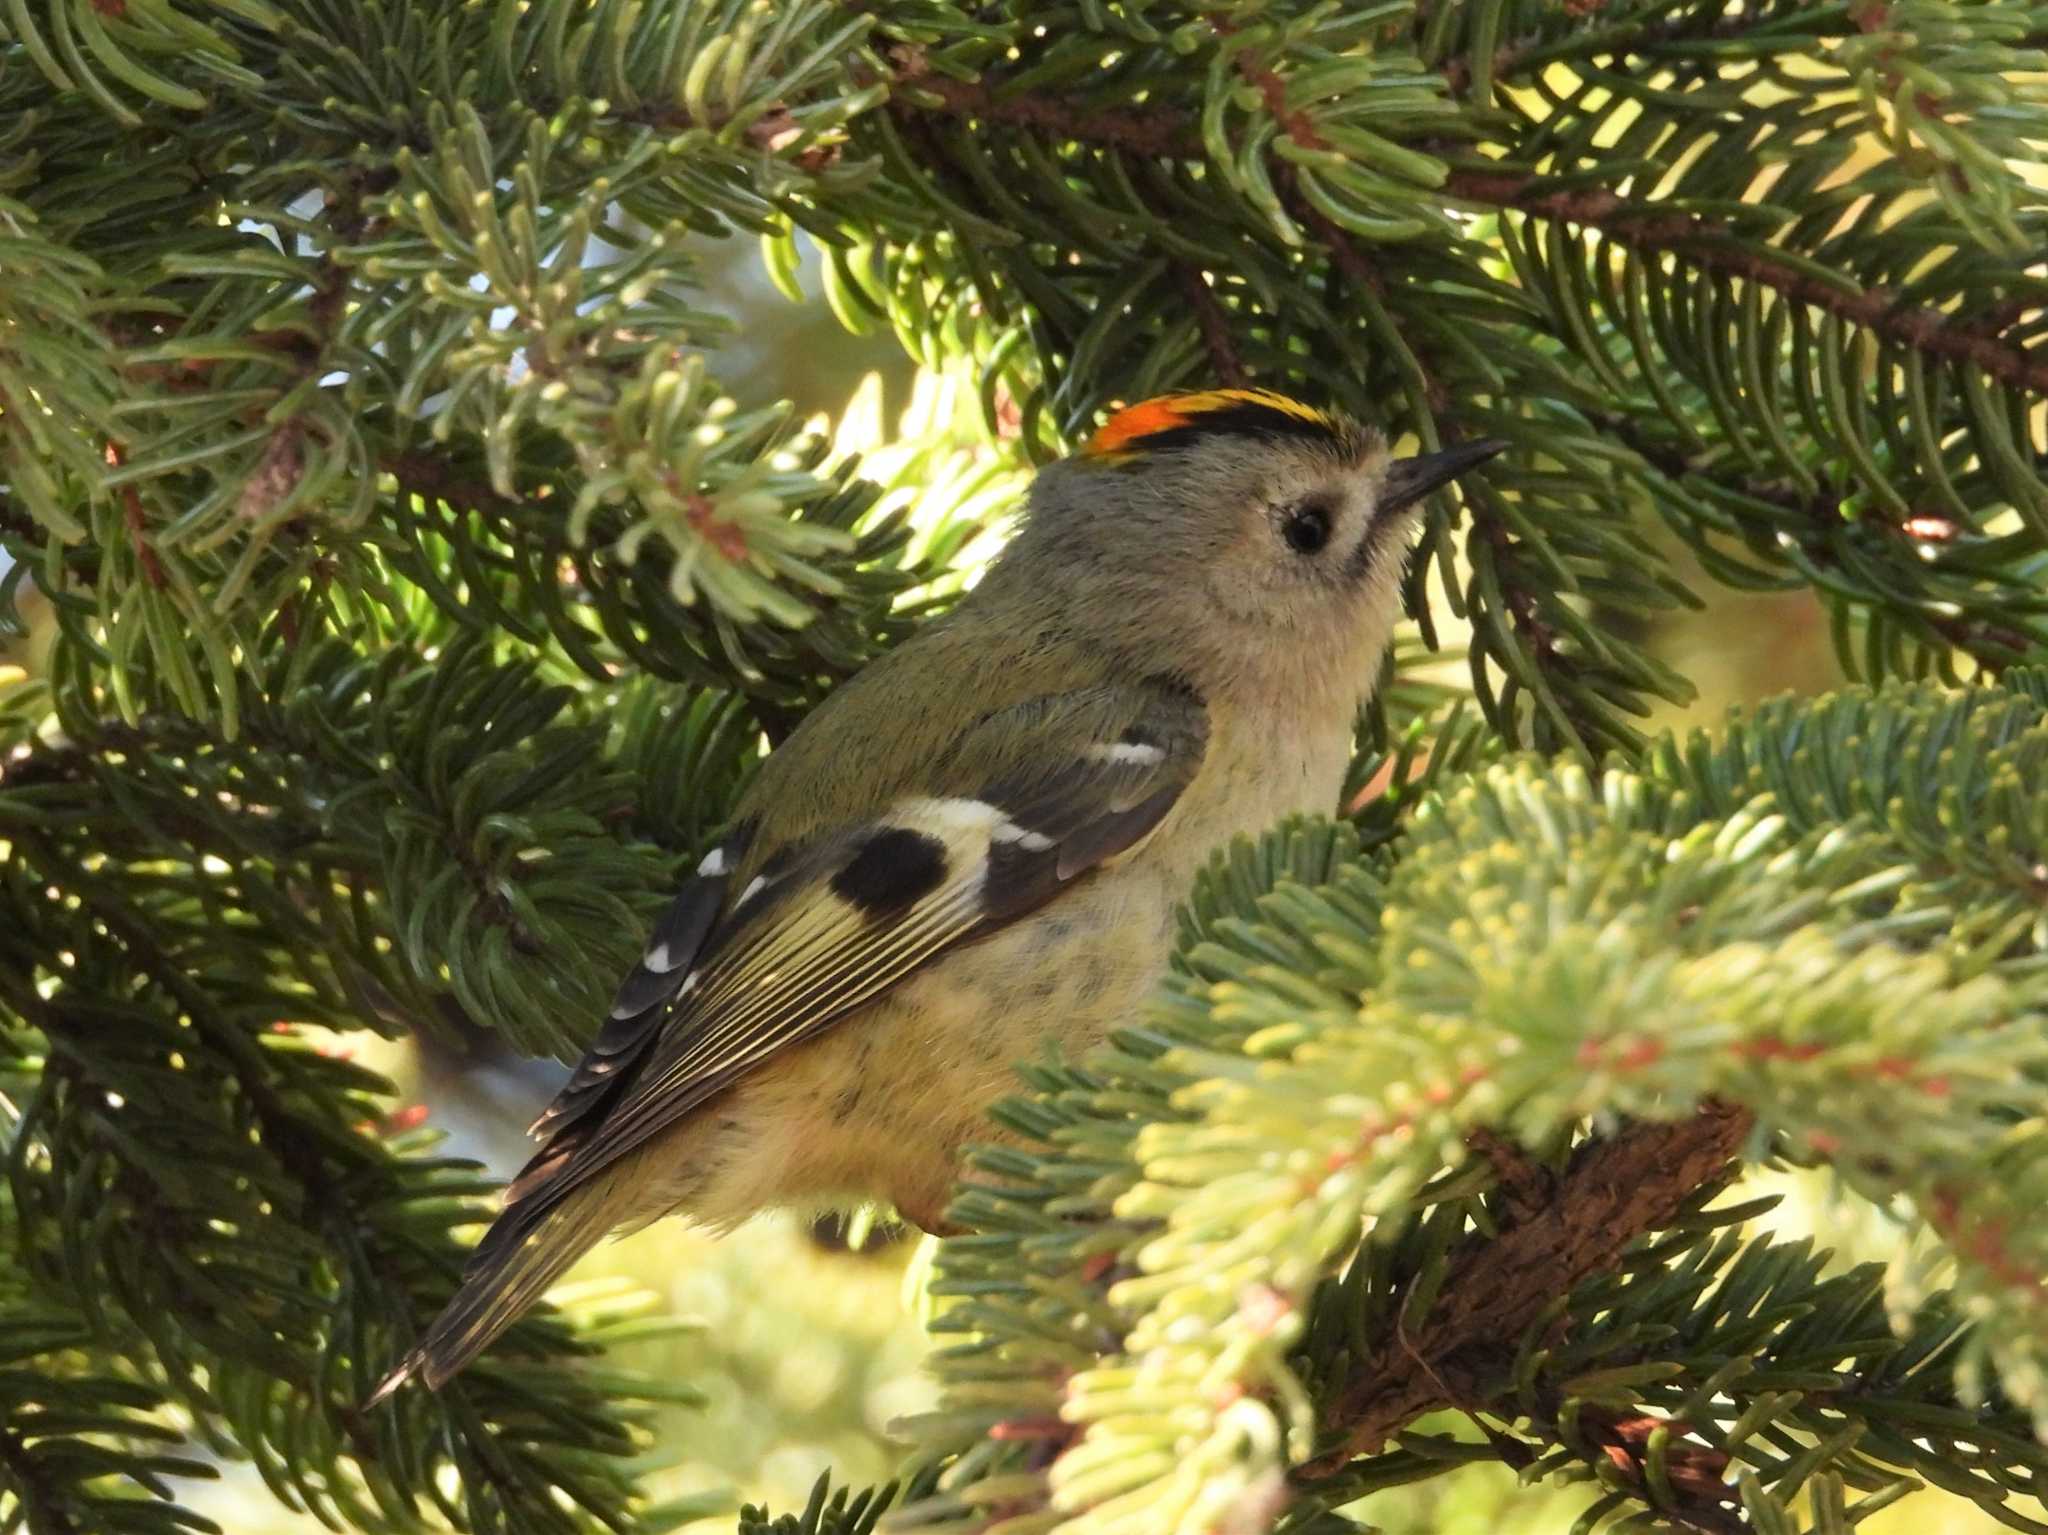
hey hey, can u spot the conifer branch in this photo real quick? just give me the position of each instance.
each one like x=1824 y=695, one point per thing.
x=421 y=473
x=1612 y=1441
x=281 y=1130
x=1162 y=133
x=1494 y=1290
x=136 y=522
x=1633 y=36
x=1223 y=354
x=44 y=1506
x=1639 y=224
x=1991 y=643
x=423 y=498
x=1157 y=132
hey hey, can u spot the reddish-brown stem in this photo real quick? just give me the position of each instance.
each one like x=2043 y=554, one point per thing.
x=1223 y=358
x=137 y=524
x=1162 y=133
x=1641 y=227
x=1497 y=1287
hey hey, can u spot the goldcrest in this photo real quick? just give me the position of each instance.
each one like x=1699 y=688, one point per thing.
x=974 y=849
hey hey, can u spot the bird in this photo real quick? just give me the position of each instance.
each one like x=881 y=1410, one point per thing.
x=974 y=849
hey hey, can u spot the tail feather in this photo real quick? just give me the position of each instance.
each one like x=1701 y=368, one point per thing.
x=557 y=1209
x=503 y=1280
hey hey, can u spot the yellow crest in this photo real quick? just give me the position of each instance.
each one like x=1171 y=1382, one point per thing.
x=1174 y=420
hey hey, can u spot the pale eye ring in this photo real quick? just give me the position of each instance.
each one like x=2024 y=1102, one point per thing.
x=1306 y=527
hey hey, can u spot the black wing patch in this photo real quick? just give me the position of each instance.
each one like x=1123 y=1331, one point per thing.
x=836 y=922
x=1049 y=789
x=1024 y=801
x=894 y=870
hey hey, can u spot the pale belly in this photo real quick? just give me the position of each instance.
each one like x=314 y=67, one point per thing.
x=881 y=1104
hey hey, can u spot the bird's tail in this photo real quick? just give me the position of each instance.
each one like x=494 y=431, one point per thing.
x=523 y=1254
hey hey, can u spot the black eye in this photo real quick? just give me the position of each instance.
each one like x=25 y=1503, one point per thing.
x=1306 y=527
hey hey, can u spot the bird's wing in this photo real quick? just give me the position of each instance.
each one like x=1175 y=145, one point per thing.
x=1024 y=801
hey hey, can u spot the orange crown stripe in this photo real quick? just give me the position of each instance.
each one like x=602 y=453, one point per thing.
x=1123 y=431
x=1135 y=421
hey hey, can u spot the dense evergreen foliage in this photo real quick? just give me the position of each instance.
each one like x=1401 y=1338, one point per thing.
x=420 y=601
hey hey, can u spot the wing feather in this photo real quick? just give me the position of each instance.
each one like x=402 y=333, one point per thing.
x=1030 y=799
x=644 y=996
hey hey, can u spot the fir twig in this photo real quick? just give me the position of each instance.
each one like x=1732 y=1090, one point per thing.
x=1615 y=1191
x=1638 y=224
x=1164 y=134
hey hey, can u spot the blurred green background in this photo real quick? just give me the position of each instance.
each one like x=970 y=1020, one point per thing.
x=805 y=1349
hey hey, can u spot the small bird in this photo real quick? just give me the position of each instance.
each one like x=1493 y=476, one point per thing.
x=975 y=848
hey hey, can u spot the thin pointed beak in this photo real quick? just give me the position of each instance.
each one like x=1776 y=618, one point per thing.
x=1410 y=479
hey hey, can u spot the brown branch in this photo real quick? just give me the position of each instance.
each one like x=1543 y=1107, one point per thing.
x=1344 y=256
x=137 y=524
x=276 y=473
x=422 y=474
x=1158 y=132
x=1272 y=88
x=1693 y=1469
x=1992 y=645
x=1528 y=1189
x=776 y=130
x=1353 y=266
x=303 y=344
x=1640 y=227
x=1223 y=355
x=1163 y=133
x=1496 y=1288
x=283 y=464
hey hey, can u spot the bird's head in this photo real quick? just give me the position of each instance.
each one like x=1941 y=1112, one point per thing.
x=1254 y=542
